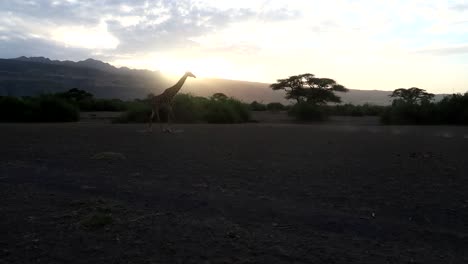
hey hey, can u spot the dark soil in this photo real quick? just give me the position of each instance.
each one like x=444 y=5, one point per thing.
x=233 y=194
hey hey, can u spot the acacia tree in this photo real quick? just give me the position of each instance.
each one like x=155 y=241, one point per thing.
x=306 y=87
x=412 y=96
x=219 y=97
x=76 y=95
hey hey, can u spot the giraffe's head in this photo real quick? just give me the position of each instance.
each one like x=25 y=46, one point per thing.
x=189 y=74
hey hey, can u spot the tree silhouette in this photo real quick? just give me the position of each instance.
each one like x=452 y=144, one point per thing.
x=76 y=95
x=308 y=88
x=219 y=96
x=412 y=96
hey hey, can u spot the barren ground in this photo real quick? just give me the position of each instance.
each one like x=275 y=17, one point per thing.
x=255 y=193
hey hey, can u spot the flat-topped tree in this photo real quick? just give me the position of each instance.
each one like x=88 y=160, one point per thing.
x=411 y=95
x=308 y=88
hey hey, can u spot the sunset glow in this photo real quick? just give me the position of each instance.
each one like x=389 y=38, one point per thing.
x=364 y=44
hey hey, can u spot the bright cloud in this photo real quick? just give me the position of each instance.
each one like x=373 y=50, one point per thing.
x=85 y=37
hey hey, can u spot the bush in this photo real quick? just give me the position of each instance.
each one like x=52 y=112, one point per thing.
x=46 y=108
x=453 y=109
x=275 y=107
x=403 y=113
x=54 y=109
x=356 y=110
x=188 y=109
x=256 y=106
x=308 y=112
x=13 y=109
x=86 y=102
x=226 y=111
x=111 y=105
x=137 y=112
x=191 y=109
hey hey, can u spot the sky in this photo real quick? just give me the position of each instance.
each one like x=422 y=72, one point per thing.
x=362 y=44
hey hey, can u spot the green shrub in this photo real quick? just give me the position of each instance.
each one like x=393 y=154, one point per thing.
x=356 y=110
x=226 y=111
x=403 y=113
x=308 y=112
x=241 y=109
x=453 y=109
x=13 y=109
x=54 y=109
x=191 y=109
x=256 y=106
x=137 y=112
x=275 y=107
x=86 y=102
x=46 y=108
x=111 y=105
x=96 y=221
x=188 y=109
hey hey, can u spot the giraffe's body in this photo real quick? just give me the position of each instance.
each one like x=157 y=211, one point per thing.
x=164 y=100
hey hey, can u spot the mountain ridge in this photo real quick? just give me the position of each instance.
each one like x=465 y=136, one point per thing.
x=26 y=76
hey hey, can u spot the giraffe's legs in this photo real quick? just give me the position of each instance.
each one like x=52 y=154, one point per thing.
x=159 y=119
x=150 y=121
x=170 y=118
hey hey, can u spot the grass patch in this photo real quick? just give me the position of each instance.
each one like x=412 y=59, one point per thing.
x=96 y=220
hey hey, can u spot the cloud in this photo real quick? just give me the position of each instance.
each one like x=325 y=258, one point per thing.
x=169 y=26
x=456 y=50
x=251 y=38
x=126 y=26
x=13 y=46
x=460 y=7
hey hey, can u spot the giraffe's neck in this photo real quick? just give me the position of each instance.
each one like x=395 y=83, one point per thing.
x=169 y=93
x=179 y=84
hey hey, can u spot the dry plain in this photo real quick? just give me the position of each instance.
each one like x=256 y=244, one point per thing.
x=251 y=193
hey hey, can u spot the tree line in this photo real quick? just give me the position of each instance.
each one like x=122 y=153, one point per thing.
x=316 y=101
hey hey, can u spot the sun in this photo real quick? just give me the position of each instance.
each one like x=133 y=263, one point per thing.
x=202 y=67
x=175 y=65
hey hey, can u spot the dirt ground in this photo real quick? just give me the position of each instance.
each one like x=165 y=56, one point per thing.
x=253 y=193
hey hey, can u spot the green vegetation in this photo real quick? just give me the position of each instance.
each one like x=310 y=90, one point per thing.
x=45 y=108
x=275 y=107
x=453 y=109
x=95 y=214
x=191 y=109
x=355 y=110
x=420 y=110
x=226 y=110
x=304 y=111
x=409 y=106
x=256 y=106
x=96 y=221
x=86 y=102
x=59 y=107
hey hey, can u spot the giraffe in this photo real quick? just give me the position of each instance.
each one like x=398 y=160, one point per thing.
x=164 y=100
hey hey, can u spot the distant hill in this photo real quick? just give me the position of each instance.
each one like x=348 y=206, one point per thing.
x=261 y=92
x=25 y=76
x=31 y=76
